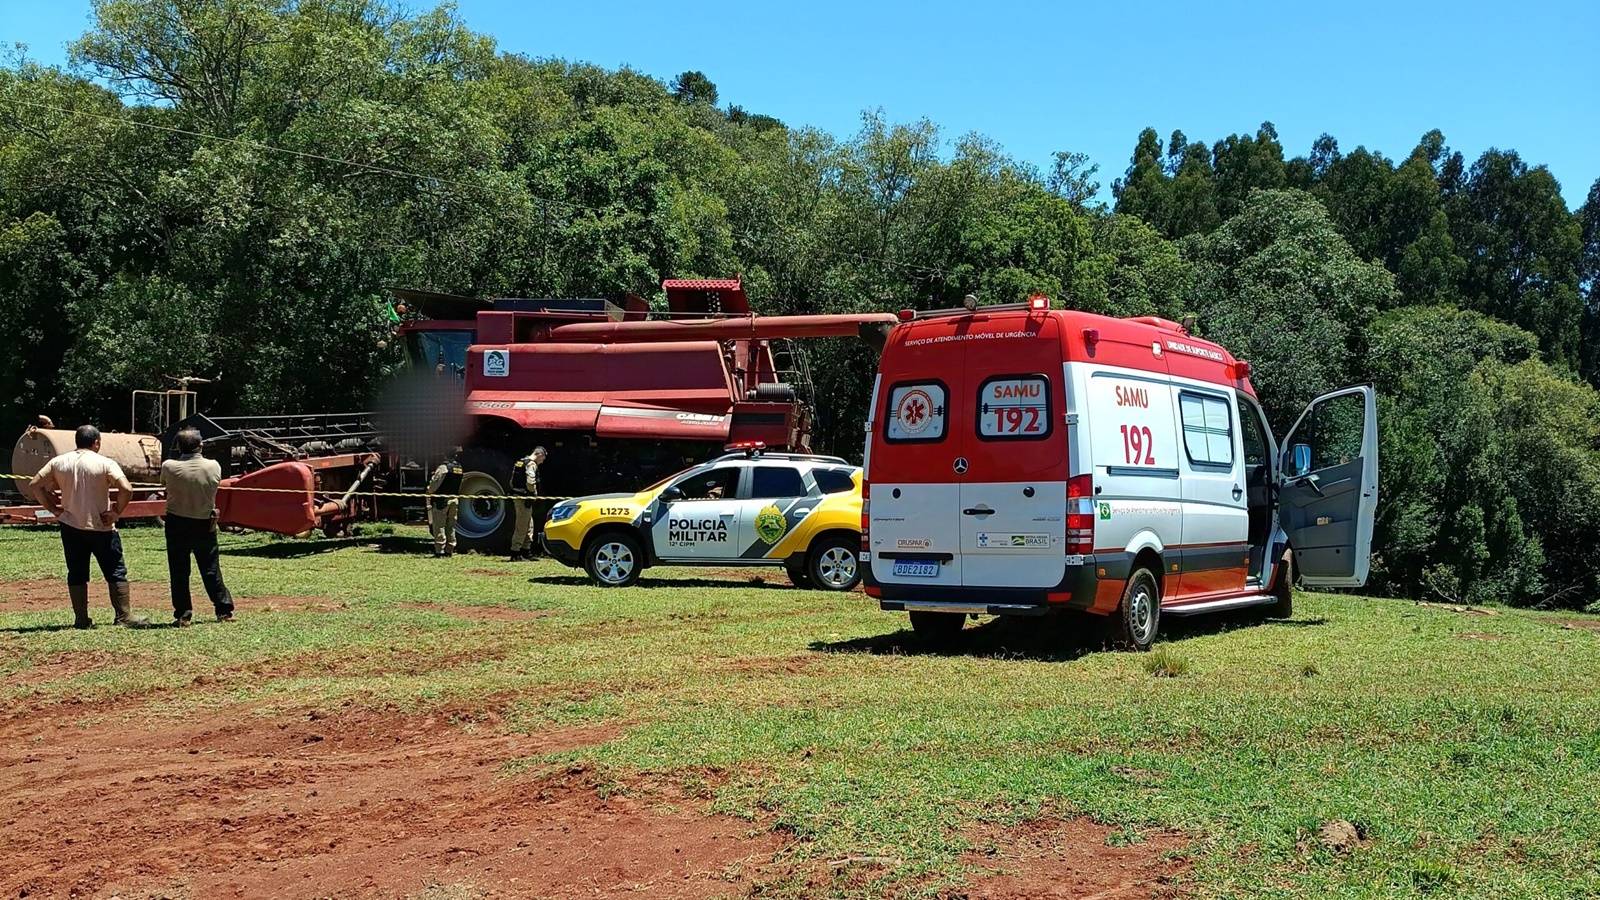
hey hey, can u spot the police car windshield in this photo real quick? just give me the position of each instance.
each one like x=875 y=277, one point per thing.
x=674 y=476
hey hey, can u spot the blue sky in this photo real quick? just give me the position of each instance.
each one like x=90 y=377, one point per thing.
x=1040 y=77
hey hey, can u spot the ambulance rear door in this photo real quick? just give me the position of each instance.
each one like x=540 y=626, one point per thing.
x=913 y=443
x=1013 y=473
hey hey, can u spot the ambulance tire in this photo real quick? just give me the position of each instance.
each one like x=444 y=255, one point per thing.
x=832 y=564
x=797 y=572
x=613 y=558
x=937 y=628
x=1138 y=617
x=1283 y=589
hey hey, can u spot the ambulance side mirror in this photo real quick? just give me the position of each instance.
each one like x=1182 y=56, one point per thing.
x=672 y=494
x=1301 y=459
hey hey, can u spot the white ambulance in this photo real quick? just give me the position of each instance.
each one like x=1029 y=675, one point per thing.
x=1022 y=460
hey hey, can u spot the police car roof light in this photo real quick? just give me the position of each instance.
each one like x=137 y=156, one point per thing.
x=750 y=448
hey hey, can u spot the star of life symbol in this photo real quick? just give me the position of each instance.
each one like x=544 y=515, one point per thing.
x=915 y=411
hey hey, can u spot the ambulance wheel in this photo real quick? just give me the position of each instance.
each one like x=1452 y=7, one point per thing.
x=832 y=565
x=797 y=573
x=1283 y=590
x=613 y=559
x=937 y=628
x=1138 y=616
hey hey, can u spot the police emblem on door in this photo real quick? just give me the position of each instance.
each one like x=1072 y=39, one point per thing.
x=771 y=524
x=961 y=465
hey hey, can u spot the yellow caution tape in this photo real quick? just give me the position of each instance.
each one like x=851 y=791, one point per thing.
x=412 y=494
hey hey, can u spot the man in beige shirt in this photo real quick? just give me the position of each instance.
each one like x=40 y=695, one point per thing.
x=76 y=488
x=191 y=519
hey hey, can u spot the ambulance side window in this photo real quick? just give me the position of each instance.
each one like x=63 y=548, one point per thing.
x=717 y=484
x=1207 y=429
x=1255 y=445
x=833 y=481
x=916 y=412
x=776 y=481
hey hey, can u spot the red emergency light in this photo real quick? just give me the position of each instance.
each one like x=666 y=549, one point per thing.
x=750 y=447
x=1241 y=369
x=907 y=315
x=1091 y=336
x=1038 y=301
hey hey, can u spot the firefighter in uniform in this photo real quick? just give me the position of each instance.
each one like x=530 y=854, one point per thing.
x=525 y=487
x=446 y=483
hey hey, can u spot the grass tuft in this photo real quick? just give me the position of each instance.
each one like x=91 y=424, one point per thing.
x=1162 y=662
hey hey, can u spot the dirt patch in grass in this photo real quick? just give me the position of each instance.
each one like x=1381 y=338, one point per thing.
x=482 y=613
x=1478 y=636
x=353 y=803
x=1579 y=624
x=1060 y=857
x=50 y=594
x=277 y=603
x=67 y=664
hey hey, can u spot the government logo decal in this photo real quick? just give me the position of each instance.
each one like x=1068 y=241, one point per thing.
x=770 y=524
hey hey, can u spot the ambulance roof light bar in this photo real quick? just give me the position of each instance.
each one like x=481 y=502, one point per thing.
x=963 y=311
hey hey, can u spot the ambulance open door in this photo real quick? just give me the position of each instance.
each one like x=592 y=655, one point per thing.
x=1328 y=487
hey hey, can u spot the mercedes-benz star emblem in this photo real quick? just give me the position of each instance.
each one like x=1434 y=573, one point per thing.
x=961 y=465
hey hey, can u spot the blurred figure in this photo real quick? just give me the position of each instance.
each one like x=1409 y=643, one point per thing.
x=442 y=505
x=88 y=520
x=525 y=487
x=191 y=482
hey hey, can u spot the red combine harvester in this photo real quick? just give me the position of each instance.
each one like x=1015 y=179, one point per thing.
x=621 y=396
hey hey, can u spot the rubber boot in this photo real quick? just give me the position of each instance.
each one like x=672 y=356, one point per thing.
x=122 y=602
x=80 y=605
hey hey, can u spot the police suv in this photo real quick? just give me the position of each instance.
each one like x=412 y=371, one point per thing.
x=744 y=508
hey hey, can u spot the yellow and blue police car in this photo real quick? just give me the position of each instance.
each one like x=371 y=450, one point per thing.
x=744 y=508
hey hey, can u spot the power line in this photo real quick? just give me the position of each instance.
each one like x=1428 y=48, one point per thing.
x=397 y=172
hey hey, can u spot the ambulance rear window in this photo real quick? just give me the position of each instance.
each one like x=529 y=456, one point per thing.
x=1014 y=408
x=916 y=412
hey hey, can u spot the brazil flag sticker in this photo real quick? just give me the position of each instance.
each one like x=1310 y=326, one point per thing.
x=770 y=524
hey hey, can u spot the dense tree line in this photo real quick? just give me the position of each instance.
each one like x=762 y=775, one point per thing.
x=234 y=187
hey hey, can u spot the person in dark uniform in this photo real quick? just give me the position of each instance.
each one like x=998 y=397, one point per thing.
x=525 y=486
x=442 y=508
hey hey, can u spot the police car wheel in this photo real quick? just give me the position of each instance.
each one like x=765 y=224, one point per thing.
x=832 y=566
x=1138 y=617
x=613 y=559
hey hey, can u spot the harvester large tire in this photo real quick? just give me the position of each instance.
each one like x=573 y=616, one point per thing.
x=485 y=525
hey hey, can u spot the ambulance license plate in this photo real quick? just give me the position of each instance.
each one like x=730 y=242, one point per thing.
x=911 y=568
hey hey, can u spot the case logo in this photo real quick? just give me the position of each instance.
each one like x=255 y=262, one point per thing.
x=771 y=524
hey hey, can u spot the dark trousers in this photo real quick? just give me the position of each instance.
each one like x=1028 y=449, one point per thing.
x=194 y=537
x=104 y=546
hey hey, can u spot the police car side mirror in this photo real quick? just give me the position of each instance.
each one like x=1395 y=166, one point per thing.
x=1302 y=459
x=672 y=493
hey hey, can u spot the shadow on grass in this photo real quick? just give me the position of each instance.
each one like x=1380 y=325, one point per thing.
x=35 y=629
x=1060 y=638
x=648 y=583
x=297 y=549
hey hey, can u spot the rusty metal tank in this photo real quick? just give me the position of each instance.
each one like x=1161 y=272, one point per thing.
x=139 y=455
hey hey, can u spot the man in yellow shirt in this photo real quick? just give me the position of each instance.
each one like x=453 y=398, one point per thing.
x=76 y=488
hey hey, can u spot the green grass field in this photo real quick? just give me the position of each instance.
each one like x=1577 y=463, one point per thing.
x=1465 y=745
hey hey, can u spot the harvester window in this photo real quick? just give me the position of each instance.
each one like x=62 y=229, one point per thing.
x=776 y=481
x=717 y=484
